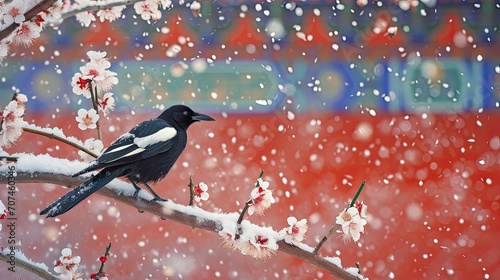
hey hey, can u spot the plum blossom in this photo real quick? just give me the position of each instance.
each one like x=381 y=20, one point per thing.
x=260 y=198
x=3 y=212
x=99 y=276
x=165 y=4
x=228 y=239
x=12 y=120
x=87 y=119
x=295 y=232
x=93 y=145
x=26 y=32
x=147 y=9
x=111 y=14
x=258 y=246
x=200 y=192
x=4 y=48
x=80 y=85
x=13 y=12
x=362 y=209
x=106 y=103
x=352 y=224
x=94 y=73
x=85 y=18
x=67 y=265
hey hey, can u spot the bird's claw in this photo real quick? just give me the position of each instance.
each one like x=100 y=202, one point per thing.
x=159 y=199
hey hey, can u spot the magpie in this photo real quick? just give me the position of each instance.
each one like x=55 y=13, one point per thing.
x=143 y=156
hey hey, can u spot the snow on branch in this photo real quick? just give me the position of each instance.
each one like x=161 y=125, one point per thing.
x=46 y=169
x=39 y=269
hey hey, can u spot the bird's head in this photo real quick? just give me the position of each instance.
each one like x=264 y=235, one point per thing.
x=183 y=115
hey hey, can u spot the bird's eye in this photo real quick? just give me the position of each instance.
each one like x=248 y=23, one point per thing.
x=185 y=113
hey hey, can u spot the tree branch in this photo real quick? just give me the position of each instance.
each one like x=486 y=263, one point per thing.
x=43 y=5
x=64 y=140
x=190 y=216
x=96 y=7
x=28 y=266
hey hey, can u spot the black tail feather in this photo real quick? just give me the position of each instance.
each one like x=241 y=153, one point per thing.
x=78 y=194
x=91 y=167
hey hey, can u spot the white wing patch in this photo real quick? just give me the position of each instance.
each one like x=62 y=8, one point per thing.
x=159 y=136
x=136 y=151
x=119 y=149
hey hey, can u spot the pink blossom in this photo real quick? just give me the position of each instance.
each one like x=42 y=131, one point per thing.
x=200 y=192
x=352 y=223
x=260 y=198
x=108 y=82
x=67 y=265
x=258 y=247
x=147 y=9
x=96 y=71
x=87 y=119
x=12 y=121
x=26 y=33
x=106 y=103
x=93 y=145
x=13 y=12
x=165 y=4
x=85 y=18
x=3 y=212
x=362 y=209
x=110 y=14
x=4 y=48
x=295 y=232
x=80 y=85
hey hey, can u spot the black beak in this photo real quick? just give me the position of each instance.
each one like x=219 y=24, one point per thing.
x=201 y=117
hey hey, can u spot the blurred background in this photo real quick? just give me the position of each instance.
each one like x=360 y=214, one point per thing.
x=321 y=95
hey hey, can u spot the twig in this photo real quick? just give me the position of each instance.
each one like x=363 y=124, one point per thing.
x=53 y=136
x=93 y=95
x=244 y=211
x=97 y=7
x=191 y=191
x=7 y=158
x=105 y=255
x=175 y=212
x=41 y=273
x=335 y=227
x=28 y=16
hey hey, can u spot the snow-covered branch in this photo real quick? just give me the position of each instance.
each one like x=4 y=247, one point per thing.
x=39 y=269
x=57 y=134
x=95 y=6
x=43 y=5
x=34 y=169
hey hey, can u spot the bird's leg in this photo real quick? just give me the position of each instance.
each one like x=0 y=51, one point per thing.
x=137 y=189
x=156 y=196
